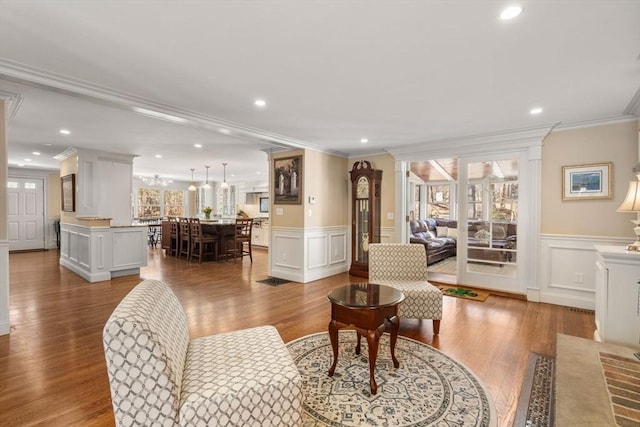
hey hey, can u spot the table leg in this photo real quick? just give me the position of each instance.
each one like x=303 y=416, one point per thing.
x=333 y=336
x=373 y=339
x=395 y=326
x=358 y=343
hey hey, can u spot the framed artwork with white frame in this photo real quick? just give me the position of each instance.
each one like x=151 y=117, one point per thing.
x=587 y=182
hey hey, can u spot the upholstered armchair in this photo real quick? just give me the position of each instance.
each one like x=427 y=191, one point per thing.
x=403 y=267
x=159 y=377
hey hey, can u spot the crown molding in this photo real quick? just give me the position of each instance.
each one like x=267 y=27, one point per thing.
x=596 y=122
x=33 y=76
x=506 y=141
x=634 y=105
x=13 y=101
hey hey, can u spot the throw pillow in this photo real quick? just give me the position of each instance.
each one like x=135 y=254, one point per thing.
x=452 y=232
x=441 y=231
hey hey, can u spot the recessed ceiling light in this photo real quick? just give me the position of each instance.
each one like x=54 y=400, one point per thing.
x=36 y=153
x=364 y=140
x=197 y=145
x=225 y=131
x=536 y=110
x=27 y=160
x=158 y=156
x=65 y=131
x=510 y=12
x=258 y=173
x=260 y=103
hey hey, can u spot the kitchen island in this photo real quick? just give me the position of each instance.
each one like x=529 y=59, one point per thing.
x=95 y=250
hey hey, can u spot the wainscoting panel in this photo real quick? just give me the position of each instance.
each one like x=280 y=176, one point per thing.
x=286 y=253
x=567 y=267
x=304 y=255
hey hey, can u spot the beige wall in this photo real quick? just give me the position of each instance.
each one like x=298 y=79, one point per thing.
x=616 y=143
x=387 y=164
x=53 y=192
x=327 y=181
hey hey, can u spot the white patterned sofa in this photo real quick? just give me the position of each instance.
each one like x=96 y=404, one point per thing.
x=402 y=266
x=158 y=377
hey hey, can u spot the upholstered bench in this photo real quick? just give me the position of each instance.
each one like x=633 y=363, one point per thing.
x=402 y=266
x=159 y=377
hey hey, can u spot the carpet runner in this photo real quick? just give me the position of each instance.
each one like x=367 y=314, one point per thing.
x=429 y=388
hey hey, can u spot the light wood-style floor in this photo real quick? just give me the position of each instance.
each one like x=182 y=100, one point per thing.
x=52 y=367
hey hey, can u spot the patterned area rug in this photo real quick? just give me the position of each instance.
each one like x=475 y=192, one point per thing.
x=535 y=406
x=429 y=388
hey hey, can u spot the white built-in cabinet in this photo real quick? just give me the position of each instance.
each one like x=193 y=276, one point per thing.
x=260 y=233
x=617 y=296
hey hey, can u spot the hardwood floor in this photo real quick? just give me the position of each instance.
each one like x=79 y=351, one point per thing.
x=52 y=367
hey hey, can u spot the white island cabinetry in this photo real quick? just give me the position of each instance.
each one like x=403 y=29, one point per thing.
x=617 y=296
x=260 y=232
x=100 y=252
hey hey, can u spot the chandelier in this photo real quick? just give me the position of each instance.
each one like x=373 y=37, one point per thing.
x=156 y=181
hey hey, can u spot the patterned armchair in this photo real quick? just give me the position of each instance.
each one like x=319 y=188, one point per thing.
x=158 y=377
x=402 y=266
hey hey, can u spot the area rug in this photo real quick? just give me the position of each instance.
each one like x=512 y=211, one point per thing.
x=535 y=405
x=429 y=388
x=460 y=292
x=273 y=281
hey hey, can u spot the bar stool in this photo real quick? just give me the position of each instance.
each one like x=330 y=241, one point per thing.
x=174 y=234
x=241 y=236
x=200 y=242
x=184 y=238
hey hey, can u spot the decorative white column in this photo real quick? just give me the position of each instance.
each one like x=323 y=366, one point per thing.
x=4 y=241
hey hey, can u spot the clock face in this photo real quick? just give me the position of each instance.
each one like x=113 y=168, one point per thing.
x=362 y=188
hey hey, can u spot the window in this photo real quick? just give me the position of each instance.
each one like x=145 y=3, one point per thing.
x=474 y=201
x=505 y=201
x=438 y=201
x=148 y=203
x=416 y=202
x=156 y=203
x=173 y=202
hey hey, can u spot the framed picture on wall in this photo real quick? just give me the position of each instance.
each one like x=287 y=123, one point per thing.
x=68 y=185
x=287 y=180
x=587 y=182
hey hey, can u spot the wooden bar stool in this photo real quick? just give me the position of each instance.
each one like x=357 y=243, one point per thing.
x=201 y=243
x=184 y=238
x=241 y=236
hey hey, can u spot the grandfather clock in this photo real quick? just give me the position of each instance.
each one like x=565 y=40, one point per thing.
x=365 y=215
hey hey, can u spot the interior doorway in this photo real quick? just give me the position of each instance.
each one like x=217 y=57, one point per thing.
x=471 y=206
x=25 y=206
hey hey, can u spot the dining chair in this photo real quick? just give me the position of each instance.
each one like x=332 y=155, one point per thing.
x=201 y=241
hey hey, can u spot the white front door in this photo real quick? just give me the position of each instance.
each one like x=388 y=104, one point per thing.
x=25 y=205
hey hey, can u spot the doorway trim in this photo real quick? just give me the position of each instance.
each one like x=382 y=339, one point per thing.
x=527 y=143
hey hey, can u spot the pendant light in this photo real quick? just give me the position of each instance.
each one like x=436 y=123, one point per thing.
x=192 y=187
x=224 y=184
x=206 y=185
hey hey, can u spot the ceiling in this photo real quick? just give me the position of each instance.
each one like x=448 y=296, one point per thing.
x=332 y=72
